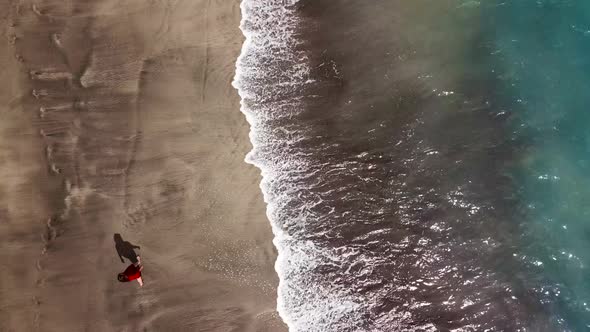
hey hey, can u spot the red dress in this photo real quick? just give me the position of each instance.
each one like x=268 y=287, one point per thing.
x=132 y=272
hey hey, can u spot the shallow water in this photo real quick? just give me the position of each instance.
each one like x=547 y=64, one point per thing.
x=424 y=163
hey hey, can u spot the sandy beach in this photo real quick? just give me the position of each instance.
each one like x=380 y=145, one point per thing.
x=119 y=119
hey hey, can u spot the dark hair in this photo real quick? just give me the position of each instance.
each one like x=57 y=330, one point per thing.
x=122 y=277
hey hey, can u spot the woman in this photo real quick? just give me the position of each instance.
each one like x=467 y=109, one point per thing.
x=132 y=272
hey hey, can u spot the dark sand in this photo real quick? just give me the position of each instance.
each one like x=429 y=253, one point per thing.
x=118 y=117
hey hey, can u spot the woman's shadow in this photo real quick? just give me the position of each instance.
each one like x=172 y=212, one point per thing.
x=125 y=249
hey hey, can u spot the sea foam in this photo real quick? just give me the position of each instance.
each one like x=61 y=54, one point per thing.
x=267 y=27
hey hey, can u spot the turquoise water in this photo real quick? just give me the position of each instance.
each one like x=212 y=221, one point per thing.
x=542 y=58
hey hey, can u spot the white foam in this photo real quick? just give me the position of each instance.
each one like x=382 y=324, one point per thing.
x=265 y=25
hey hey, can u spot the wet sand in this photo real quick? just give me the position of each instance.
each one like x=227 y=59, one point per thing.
x=119 y=118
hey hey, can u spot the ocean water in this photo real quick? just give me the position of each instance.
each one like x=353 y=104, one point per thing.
x=425 y=163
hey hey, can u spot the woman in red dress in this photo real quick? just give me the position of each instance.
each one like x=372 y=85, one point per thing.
x=132 y=272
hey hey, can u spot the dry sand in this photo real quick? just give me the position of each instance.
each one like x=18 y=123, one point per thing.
x=118 y=117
